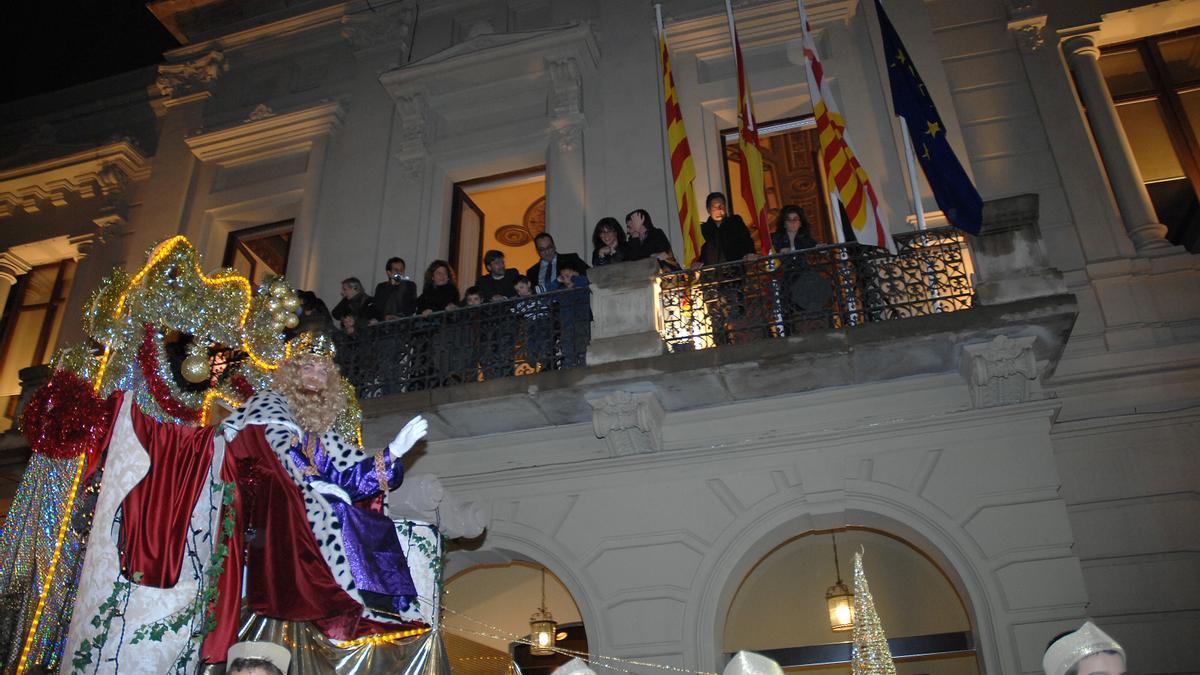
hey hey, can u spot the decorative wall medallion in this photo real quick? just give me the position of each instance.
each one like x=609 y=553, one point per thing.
x=535 y=217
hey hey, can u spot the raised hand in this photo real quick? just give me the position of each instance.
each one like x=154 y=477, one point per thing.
x=412 y=432
x=330 y=490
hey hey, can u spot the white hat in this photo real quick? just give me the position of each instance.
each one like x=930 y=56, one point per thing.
x=1072 y=648
x=749 y=663
x=267 y=651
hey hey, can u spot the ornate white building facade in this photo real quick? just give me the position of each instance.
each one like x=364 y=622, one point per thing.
x=1041 y=448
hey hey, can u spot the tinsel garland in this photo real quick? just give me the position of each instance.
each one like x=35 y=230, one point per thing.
x=156 y=384
x=870 y=654
x=65 y=418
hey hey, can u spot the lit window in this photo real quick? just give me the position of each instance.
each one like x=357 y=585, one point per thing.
x=1155 y=85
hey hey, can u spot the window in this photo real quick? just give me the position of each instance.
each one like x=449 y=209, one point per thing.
x=502 y=212
x=1155 y=85
x=30 y=328
x=792 y=174
x=259 y=252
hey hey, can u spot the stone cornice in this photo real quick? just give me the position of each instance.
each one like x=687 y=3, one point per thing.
x=269 y=136
x=100 y=171
x=325 y=17
x=574 y=40
x=759 y=25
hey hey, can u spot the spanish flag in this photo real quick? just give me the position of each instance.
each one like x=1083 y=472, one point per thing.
x=749 y=156
x=837 y=156
x=683 y=170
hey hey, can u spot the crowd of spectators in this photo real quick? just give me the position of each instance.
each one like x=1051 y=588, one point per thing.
x=726 y=236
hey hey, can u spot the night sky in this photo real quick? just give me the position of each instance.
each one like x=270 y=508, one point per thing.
x=49 y=44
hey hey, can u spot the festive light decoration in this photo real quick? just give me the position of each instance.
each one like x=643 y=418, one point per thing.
x=609 y=662
x=171 y=303
x=62 y=535
x=65 y=418
x=870 y=654
x=384 y=638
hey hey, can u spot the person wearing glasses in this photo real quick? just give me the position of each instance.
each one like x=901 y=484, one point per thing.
x=544 y=274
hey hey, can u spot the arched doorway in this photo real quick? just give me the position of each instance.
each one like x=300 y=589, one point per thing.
x=486 y=611
x=779 y=608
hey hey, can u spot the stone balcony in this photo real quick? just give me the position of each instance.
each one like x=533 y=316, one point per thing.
x=1011 y=336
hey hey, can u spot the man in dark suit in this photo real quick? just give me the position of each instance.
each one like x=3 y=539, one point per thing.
x=544 y=274
x=396 y=297
x=726 y=237
x=500 y=282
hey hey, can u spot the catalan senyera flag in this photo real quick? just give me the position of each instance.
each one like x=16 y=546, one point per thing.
x=749 y=156
x=841 y=165
x=683 y=170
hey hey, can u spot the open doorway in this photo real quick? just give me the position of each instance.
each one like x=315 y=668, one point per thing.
x=792 y=174
x=503 y=212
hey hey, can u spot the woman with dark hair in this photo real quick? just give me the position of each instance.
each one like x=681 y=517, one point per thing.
x=647 y=241
x=792 y=231
x=608 y=242
x=804 y=293
x=440 y=291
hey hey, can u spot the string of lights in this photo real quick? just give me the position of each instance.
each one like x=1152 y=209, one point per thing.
x=594 y=659
x=23 y=662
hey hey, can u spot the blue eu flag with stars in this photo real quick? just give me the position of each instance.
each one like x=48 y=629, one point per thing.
x=952 y=188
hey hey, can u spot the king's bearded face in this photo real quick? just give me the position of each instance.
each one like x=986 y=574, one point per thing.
x=313 y=390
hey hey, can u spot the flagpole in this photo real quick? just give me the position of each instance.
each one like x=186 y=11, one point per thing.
x=732 y=38
x=914 y=187
x=881 y=62
x=663 y=132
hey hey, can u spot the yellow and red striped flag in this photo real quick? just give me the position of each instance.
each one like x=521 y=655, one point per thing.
x=837 y=156
x=749 y=155
x=683 y=170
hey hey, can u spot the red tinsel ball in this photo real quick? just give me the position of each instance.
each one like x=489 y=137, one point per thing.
x=65 y=417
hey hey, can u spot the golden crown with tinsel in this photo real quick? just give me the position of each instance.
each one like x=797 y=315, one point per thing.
x=317 y=344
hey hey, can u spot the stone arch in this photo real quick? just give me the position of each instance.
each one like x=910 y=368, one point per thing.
x=878 y=507
x=514 y=541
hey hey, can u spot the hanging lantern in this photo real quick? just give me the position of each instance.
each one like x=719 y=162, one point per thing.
x=839 y=599
x=542 y=629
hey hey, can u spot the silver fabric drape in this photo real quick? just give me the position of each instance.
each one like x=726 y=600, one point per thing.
x=315 y=654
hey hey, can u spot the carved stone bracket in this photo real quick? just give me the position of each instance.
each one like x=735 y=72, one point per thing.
x=568 y=137
x=177 y=81
x=385 y=31
x=566 y=88
x=1002 y=371
x=631 y=422
x=1029 y=32
x=412 y=125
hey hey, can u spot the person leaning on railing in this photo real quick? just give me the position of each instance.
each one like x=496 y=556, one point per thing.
x=356 y=308
x=726 y=237
x=804 y=295
x=608 y=242
x=647 y=241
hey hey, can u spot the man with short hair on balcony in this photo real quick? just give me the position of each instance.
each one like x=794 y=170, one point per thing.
x=396 y=296
x=544 y=274
x=726 y=237
x=499 y=283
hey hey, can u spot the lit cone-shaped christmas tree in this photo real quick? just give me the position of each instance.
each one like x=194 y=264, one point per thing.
x=871 y=655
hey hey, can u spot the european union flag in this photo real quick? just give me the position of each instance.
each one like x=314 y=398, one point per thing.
x=952 y=188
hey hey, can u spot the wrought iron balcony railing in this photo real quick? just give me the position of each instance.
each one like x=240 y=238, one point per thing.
x=521 y=336
x=821 y=288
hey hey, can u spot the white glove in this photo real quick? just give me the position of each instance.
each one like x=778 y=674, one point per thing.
x=412 y=432
x=330 y=490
